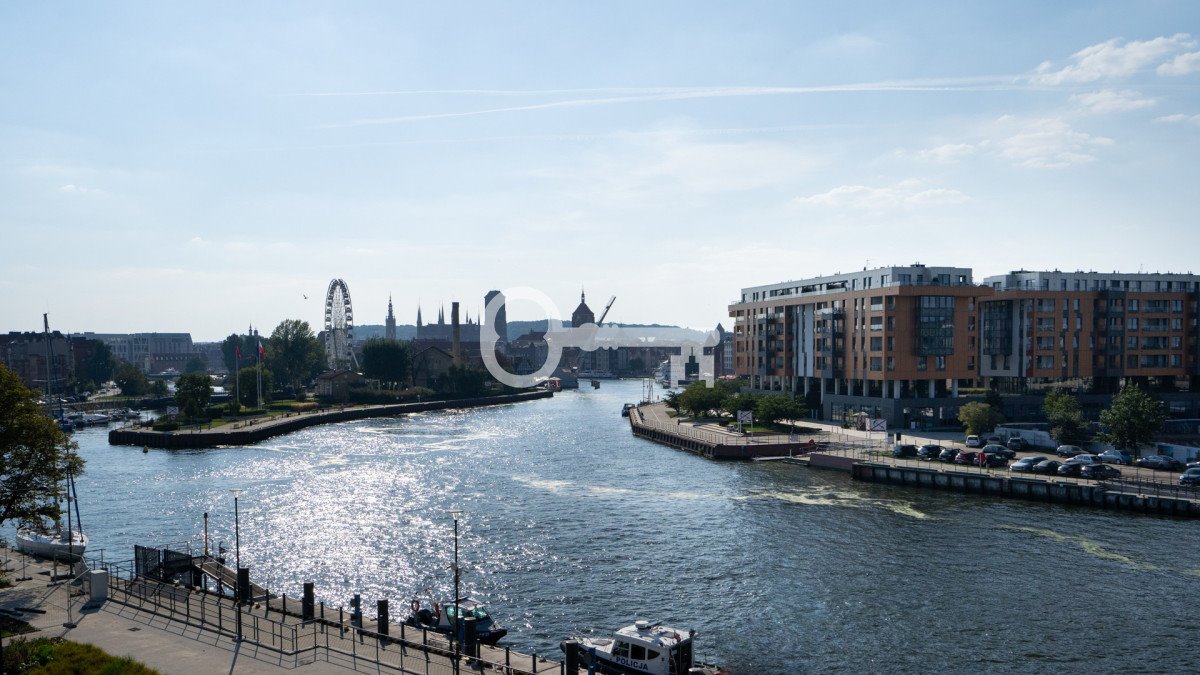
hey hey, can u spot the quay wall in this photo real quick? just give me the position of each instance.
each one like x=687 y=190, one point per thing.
x=249 y=435
x=709 y=445
x=1059 y=492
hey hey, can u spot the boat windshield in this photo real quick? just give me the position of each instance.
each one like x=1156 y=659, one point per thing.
x=479 y=612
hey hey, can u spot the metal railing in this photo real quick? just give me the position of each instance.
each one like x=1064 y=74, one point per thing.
x=329 y=635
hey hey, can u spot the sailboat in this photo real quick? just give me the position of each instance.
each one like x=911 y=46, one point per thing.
x=46 y=540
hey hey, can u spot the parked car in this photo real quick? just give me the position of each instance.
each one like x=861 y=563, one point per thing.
x=1000 y=450
x=1017 y=444
x=991 y=461
x=1099 y=472
x=1048 y=467
x=1026 y=464
x=904 y=451
x=993 y=440
x=1161 y=462
x=974 y=442
x=1069 y=469
x=1086 y=459
x=966 y=457
x=930 y=452
x=1190 y=477
x=1068 y=450
x=948 y=455
x=1116 y=457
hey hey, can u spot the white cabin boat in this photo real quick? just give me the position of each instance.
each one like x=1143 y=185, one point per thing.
x=644 y=647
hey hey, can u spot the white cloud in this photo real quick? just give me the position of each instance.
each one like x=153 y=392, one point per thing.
x=72 y=188
x=905 y=193
x=1109 y=101
x=1182 y=65
x=1177 y=117
x=1050 y=144
x=1112 y=59
x=948 y=153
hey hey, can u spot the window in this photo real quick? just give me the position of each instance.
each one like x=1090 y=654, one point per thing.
x=876 y=364
x=1176 y=305
x=1176 y=324
x=1176 y=360
x=891 y=343
x=922 y=363
x=891 y=363
x=621 y=649
x=1045 y=362
x=1133 y=323
x=940 y=362
x=891 y=302
x=637 y=652
x=876 y=344
x=971 y=323
x=1133 y=305
x=970 y=363
x=891 y=323
x=1176 y=341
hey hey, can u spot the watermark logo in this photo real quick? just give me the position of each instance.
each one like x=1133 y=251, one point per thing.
x=590 y=337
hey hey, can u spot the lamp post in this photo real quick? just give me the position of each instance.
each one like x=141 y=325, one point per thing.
x=455 y=513
x=237 y=548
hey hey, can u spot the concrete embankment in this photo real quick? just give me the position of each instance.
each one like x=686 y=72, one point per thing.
x=1033 y=489
x=256 y=431
x=711 y=444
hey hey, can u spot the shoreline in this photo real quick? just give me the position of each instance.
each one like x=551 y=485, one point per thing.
x=255 y=433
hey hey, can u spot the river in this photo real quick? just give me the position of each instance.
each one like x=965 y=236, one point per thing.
x=571 y=524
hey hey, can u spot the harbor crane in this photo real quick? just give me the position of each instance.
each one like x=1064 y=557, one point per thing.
x=600 y=321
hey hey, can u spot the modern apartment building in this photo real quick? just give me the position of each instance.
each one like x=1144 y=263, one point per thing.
x=901 y=342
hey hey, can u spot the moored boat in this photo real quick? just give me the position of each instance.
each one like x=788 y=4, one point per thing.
x=54 y=542
x=644 y=647
x=441 y=618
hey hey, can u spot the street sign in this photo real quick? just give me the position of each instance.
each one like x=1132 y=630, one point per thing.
x=878 y=424
x=172 y=410
x=745 y=416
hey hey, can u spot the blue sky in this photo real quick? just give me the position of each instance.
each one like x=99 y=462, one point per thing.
x=174 y=169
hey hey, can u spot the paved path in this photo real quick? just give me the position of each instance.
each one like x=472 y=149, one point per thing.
x=173 y=646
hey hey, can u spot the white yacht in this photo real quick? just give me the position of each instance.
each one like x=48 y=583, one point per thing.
x=644 y=647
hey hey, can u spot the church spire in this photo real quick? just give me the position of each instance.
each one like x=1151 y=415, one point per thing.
x=418 y=316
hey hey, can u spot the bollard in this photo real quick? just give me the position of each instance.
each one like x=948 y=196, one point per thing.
x=322 y=610
x=306 y=605
x=533 y=660
x=470 y=637
x=356 y=611
x=571 y=656
x=381 y=611
x=284 y=603
x=243 y=583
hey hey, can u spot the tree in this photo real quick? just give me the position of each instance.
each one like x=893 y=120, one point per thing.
x=979 y=417
x=131 y=380
x=196 y=364
x=35 y=455
x=387 y=360
x=737 y=402
x=246 y=345
x=192 y=393
x=1065 y=415
x=158 y=389
x=1133 y=419
x=461 y=380
x=774 y=408
x=672 y=401
x=247 y=382
x=101 y=365
x=699 y=398
x=293 y=353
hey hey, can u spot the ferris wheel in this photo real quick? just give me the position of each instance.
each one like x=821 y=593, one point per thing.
x=339 y=326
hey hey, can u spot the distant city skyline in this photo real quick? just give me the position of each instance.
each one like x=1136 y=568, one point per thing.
x=173 y=170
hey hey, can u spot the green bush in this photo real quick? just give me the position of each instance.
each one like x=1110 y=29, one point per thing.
x=54 y=656
x=166 y=426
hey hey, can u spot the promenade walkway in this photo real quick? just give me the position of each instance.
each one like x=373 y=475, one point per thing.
x=174 y=629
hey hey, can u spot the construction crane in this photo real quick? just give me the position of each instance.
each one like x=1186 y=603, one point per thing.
x=600 y=321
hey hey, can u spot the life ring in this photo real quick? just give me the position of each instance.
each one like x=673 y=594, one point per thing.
x=416 y=605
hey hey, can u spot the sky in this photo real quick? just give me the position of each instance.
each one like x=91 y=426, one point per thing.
x=193 y=168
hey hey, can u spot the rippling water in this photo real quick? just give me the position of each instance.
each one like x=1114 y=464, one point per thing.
x=570 y=523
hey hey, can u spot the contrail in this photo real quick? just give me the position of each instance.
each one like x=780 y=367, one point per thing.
x=682 y=93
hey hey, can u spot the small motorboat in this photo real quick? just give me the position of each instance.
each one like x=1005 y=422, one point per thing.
x=644 y=647
x=626 y=408
x=440 y=618
x=53 y=542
